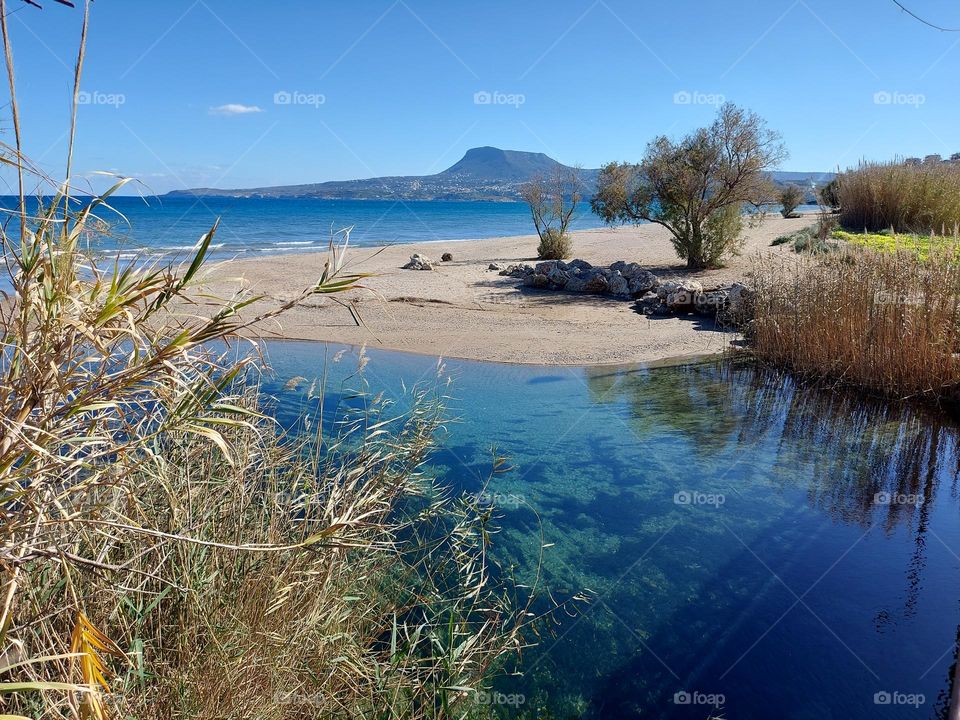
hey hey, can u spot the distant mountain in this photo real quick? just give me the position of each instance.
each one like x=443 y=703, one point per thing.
x=483 y=173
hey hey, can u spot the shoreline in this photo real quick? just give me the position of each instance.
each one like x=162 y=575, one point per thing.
x=461 y=309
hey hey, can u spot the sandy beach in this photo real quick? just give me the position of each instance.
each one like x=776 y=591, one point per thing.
x=462 y=309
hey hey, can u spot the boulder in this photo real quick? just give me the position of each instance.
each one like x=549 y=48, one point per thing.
x=536 y=280
x=495 y=266
x=641 y=282
x=579 y=265
x=547 y=266
x=710 y=303
x=558 y=277
x=446 y=257
x=596 y=283
x=618 y=285
x=576 y=283
x=419 y=262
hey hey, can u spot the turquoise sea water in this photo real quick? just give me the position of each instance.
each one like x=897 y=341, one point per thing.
x=255 y=227
x=791 y=552
x=251 y=227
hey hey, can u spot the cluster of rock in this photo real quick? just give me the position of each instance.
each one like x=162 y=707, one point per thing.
x=620 y=279
x=419 y=262
x=630 y=280
x=422 y=262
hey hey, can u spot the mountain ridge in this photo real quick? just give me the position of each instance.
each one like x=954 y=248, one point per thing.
x=483 y=173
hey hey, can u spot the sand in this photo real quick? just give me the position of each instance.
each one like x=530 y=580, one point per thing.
x=463 y=310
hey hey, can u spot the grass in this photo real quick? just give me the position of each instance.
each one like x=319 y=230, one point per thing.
x=880 y=321
x=909 y=198
x=920 y=246
x=165 y=552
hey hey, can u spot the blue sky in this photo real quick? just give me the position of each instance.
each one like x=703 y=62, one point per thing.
x=191 y=93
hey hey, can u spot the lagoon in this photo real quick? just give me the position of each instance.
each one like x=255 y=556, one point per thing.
x=790 y=552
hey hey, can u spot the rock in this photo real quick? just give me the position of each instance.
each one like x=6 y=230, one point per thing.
x=495 y=266
x=558 y=277
x=579 y=265
x=419 y=262
x=710 y=303
x=517 y=271
x=536 y=280
x=642 y=282
x=576 y=283
x=596 y=283
x=739 y=310
x=618 y=285
x=632 y=270
x=446 y=257
x=547 y=266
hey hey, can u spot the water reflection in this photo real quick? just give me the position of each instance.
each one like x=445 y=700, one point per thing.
x=791 y=550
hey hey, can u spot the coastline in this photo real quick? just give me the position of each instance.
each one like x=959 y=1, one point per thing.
x=463 y=310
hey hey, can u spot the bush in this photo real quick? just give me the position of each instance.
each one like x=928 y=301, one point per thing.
x=908 y=198
x=885 y=322
x=790 y=197
x=554 y=245
x=829 y=195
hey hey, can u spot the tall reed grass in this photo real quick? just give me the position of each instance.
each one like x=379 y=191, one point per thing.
x=908 y=198
x=885 y=322
x=165 y=552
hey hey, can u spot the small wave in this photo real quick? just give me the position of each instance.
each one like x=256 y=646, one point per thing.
x=295 y=242
x=214 y=246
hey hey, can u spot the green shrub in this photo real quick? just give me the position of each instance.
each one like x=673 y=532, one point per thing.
x=554 y=245
x=790 y=197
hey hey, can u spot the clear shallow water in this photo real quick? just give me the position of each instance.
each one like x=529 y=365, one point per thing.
x=251 y=227
x=735 y=530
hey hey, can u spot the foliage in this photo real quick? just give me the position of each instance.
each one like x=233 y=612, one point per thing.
x=790 y=197
x=693 y=186
x=920 y=246
x=552 y=203
x=554 y=245
x=907 y=198
x=884 y=322
x=164 y=552
x=829 y=194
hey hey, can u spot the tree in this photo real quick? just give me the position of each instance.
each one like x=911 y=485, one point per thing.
x=697 y=187
x=830 y=194
x=552 y=202
x=790 y=197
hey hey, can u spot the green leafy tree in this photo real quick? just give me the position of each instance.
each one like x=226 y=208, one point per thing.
x=698 y=186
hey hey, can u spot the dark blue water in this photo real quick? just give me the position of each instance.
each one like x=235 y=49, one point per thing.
x=252 y=227
x=792 y=553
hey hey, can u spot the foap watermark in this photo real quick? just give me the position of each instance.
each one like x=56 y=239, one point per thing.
x=695 y=497
x=888 y=297
x=885 y=498
x=895 y=97
x=296 y=97
x=695 y=697
x=96 y=97
x=695 y=97
x=295 y=698
x=486 y=97
x=510 y=501
x=895 y=697
x=493 y=697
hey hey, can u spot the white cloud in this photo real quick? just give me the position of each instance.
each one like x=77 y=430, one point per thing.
x=234 y=109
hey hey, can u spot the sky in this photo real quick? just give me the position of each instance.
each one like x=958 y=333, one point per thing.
x=233 y=94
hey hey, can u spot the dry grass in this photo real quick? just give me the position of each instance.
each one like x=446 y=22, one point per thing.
x=904 y=198
x=165 y=553
x=885 y=322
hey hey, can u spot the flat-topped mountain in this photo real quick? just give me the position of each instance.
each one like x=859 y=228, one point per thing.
x=483 y=173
